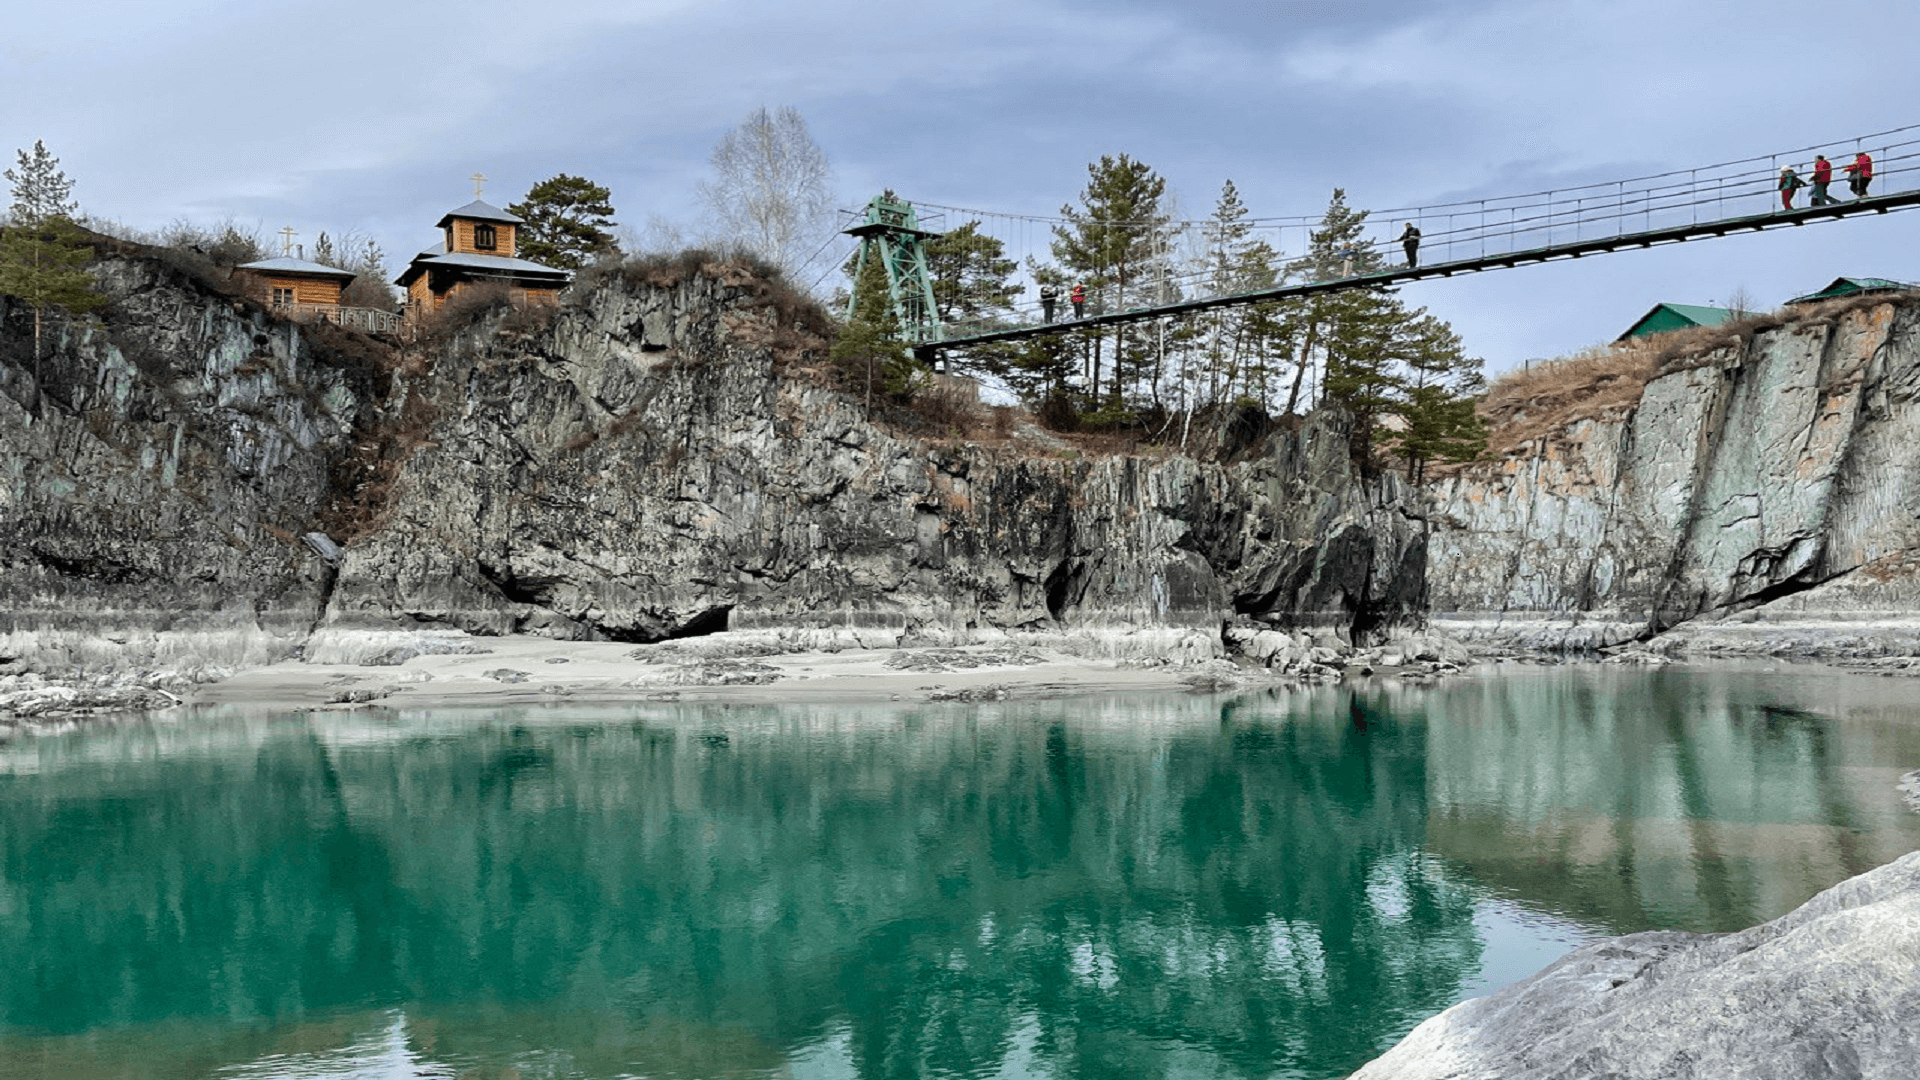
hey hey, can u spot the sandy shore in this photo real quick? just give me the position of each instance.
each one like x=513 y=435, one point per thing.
x=353 y=668
x=527 y=670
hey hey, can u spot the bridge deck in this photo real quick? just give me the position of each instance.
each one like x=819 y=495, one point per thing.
x=1876 y=204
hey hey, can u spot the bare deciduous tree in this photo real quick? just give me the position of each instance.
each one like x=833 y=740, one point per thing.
x=1741 y=303
x=770 y=191
x=660 y=236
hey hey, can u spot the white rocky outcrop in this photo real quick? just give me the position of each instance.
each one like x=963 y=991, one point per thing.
x=1830 y=990
x=1767 y=483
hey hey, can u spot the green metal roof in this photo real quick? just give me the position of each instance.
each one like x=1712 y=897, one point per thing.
x=1665 y=317
x=1848 y=286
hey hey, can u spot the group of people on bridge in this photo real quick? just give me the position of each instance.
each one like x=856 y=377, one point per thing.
x=1859 y=175
x=1050 y=298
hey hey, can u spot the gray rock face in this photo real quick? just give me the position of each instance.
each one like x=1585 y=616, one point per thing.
x=654 y=461
x=1829 y=990
x=653 y=466
x=148 y=512
x=1774 y=480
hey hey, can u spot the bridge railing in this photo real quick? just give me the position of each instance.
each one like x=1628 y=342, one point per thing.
x=365 y=320
x=1512 y=229
x=1491 y=227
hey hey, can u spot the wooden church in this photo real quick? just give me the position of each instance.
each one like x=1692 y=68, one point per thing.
x=477 y=248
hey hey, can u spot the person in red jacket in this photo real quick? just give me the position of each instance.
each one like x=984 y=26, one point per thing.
x=1822 y=176
x=1790 y=182
x=1860 y=175
x=1078 y=298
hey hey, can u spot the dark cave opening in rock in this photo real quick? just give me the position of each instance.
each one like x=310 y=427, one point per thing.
x=711 y=621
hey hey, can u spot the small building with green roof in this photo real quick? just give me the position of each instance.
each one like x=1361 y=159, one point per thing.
x=1853 y=286
x=1666 y=317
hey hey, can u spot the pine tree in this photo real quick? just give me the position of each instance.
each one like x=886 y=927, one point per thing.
x=1360 y=373
x=363 y=257
x=869 y=348
x=44 y=264
x=1440 y=421
x=1116 y=244
x=567 y=221
x=1039 y=369
x=369 y=288
x=1236 y=262
x=40 y=189
x=971 y=273
x=1376 y=357
x=43 y=254
x=1308 y=326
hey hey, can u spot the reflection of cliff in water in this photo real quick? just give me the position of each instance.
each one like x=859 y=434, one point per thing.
x=934 y=891
x=1102 y=888
x=1709 y=799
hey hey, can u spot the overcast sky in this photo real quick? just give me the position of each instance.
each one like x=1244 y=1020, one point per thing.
x=369 y=116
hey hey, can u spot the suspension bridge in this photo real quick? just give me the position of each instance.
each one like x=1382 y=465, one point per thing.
x=1702 y=202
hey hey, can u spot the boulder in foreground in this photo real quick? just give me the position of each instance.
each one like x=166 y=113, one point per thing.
x=1831 y=989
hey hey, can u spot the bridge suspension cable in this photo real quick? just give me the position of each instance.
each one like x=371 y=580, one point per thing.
x=1460 y=236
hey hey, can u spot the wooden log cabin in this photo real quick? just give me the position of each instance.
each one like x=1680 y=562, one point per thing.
x=477 y=248
x=295 y=285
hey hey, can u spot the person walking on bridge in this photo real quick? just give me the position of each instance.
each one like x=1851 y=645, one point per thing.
x=1860 y=174
x=1410 y=240
x=1790 y=182
x=1049 y=296
x=1822 y=176
x=1078 y=298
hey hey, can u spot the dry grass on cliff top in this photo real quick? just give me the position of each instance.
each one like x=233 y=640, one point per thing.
x=1527 y=408
x=761 y=284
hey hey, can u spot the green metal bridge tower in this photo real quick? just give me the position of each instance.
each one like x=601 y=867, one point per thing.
x=892 y=234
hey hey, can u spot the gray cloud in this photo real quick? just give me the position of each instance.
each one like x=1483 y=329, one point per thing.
x=355 y=114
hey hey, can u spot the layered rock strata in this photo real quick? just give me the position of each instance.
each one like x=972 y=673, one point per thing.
x=155 y=476
x=655 y=464
x=1759 y=497
x=188 y=479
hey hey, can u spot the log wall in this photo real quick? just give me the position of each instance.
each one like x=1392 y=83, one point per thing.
x=462 y=239
x=305 y=290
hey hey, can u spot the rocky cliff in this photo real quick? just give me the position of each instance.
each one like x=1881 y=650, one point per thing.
x=155 y=476
x=1760 y=494
x=657 y=458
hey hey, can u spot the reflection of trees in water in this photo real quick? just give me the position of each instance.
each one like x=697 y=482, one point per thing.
x=928 y=886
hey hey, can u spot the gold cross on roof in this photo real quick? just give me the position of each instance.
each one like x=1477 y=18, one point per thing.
x=478 y=181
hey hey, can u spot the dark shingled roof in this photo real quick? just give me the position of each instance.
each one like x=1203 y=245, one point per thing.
x=479 y=211
x=286 y=265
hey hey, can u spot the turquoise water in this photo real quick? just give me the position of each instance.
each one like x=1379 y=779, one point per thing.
x=1274 y=885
